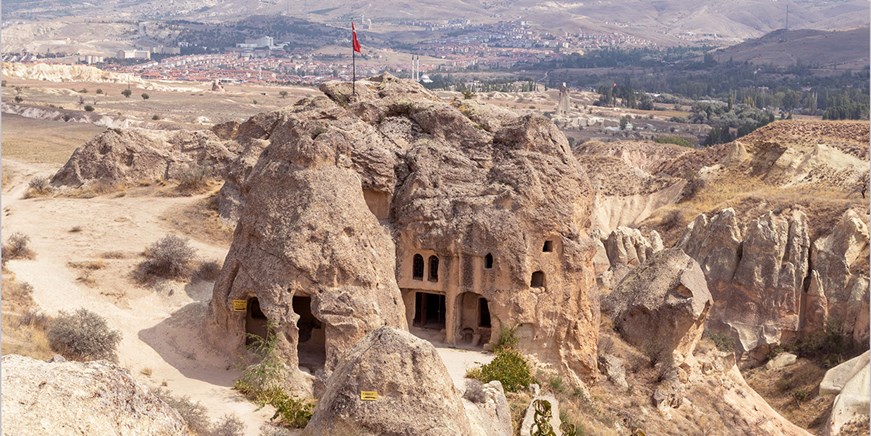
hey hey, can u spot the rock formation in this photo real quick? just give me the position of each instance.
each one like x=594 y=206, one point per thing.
x=307 y=254
x=488 y=210
x=624 y=248
x=414 y=391
x=80 y=398
x=767 y=281
x=487 y=408
x=851 y=382
x=840 y=260
x=661 y=306
x=134 y=155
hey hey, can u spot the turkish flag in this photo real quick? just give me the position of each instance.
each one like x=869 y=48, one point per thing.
x=354 y=34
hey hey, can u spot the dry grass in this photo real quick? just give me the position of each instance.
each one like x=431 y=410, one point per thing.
x=793 y=392
x=200 y=221
x=42 y=141
x=113 y=255
x=23 y=326
x=86 y=271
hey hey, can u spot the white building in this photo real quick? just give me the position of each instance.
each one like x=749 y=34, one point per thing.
x=133 y=54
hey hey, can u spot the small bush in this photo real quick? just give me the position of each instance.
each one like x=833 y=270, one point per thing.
x=230 y=425
x=83 y=335
x=155 y=117
x=99 y=91
x=510 y=368
x=208 y=271
x=170 y=258
x=475 y=392
x=723 y=342
x=34 y=318
x=192 y=181
x=17 y=247
x=38 y=186
x=145 y=96
x=830 y=347
x=126 y=93
x=507 y=340
x=262 y=383
x=89 y=108
x=194 y=414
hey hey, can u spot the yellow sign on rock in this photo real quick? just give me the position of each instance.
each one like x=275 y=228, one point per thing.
x=240 y=305
x=368 y=395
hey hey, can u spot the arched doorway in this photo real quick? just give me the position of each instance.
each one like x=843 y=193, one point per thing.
x=474 y=327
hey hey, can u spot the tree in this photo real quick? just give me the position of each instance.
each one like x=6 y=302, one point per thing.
x=283 y=94
x=145 y=96
x=624 y=120
x=126 y=93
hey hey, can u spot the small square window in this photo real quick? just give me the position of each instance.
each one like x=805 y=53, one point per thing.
x=548 y=246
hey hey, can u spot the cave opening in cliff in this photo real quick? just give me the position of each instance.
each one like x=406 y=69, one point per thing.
x=312 y=343
x=537 y=279
x=429 y=310
x=474 y=312
x=255 y=321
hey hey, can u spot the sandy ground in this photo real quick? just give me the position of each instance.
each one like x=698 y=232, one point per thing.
x=158 y=324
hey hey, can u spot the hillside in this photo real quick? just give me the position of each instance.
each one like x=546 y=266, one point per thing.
x=665 y=23
x=844 y=49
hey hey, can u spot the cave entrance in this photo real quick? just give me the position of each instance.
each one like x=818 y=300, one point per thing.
x=429 y=310
x=312 y=342
x=255 y=321
x=474 y=328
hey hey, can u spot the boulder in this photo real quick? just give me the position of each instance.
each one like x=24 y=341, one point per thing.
x=612 y=367
x=782 y=360
x=661 y=306
x=487 y=408
x=851 y=381
x=415 y=394
x=97 y=398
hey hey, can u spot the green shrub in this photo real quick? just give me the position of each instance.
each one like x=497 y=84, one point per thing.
x=510 y=368
x=507 y=340
x=676 y=140
x=83 y=335
x=262 y=383
x=722 y=341
x=126 y=93
x=829 y=347
x=145 y=96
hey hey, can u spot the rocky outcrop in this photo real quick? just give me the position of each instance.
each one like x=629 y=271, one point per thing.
x=661 y=306
x=80 y=398
x=414 y=391
x=308 y=249
x=840 y=259
x=756 y=276
x=486 y=207
x=771 y=283
x=134 y=155
x=851 y=382
x=624 y=248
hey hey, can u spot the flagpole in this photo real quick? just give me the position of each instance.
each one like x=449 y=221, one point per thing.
x=354 y=69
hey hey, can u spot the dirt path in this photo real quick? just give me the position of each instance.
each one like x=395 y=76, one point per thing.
x=126 y=225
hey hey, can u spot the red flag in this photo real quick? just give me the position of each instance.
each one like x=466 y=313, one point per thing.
x=354 y=34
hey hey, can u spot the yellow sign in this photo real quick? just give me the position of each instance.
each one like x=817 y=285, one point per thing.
x=368 y=395
x=240 y=305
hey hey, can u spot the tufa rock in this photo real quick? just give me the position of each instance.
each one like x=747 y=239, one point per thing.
x=661 y=306
x=307 y=251
x=81 y=398
x=612 y=367
x=487 y=408
x=117 y=156
x=415 y=392
x=851 y=381
x=486 y=207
